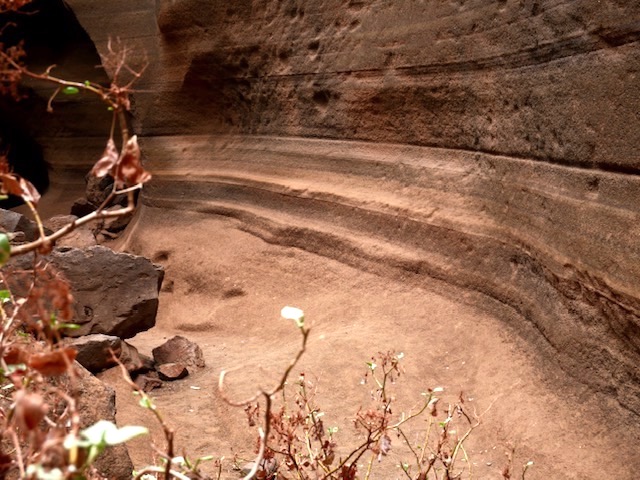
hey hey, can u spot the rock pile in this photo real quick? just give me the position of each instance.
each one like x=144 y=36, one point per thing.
x=173 y=360
x=115 y=297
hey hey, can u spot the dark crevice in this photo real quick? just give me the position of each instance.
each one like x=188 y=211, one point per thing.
x=51 y=35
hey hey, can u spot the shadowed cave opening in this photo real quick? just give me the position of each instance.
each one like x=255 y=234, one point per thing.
x=25 y=158
x=51 y=35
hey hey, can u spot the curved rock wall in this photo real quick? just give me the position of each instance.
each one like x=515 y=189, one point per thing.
x=489 y=144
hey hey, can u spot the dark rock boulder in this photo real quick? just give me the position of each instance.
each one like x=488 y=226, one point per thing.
x=82 y=207
x=94 y=351
x=115 y=293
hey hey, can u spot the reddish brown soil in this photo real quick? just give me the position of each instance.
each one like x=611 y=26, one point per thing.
x=224 y=290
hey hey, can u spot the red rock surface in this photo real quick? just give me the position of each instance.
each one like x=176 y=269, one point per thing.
x=488 y=146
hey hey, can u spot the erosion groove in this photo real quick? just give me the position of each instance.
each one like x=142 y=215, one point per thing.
x=465 y=219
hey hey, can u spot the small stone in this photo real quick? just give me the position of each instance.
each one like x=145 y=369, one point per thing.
x=12 y=222
x=82 y=207
x=133 y=361
x=172 y=371
x=179 y=350
x=148 y=381
x=94 y=351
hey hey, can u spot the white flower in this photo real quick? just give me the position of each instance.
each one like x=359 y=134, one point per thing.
x=293 y=313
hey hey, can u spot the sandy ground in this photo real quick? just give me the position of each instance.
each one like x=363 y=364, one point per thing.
x=224 y=290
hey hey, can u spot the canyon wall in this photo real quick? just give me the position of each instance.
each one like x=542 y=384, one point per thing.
x=492 y=145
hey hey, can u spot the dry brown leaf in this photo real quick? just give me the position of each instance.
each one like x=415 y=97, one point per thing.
x=29 y=192
x=53 y=363
x=14 y=355
x=130 y=171
x=20 y=187
x=30 y=409
x=107 y=161
x=4 y=164
x=11 y=185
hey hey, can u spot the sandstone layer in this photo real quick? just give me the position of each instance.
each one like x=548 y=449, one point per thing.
x=487 y=144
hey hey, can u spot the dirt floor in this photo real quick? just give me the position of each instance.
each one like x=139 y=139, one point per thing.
x=224 y=289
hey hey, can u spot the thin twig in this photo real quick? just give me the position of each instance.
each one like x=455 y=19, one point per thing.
x=152 y=469
x=267 y=394
x=97 y=215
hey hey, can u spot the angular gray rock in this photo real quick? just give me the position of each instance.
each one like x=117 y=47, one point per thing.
x=94 y=353
x=115 y=293
x=12 y=222
x=179 y=350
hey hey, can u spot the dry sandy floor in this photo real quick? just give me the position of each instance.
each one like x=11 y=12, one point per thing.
x=224 y=290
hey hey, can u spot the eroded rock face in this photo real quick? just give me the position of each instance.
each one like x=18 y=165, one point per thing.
x=489 y=144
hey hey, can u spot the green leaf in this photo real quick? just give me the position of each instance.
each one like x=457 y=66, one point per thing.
x=145 y=402
x=124 y=434
x=201 y=460
x=5 y=296
x=95 y=434
x=70 y=90
x=3 y=197
x=67 y=326
x=87 y=83
x=5 y=248
x=103 y=434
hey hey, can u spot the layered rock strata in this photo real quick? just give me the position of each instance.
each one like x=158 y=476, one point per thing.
x=488 y=144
